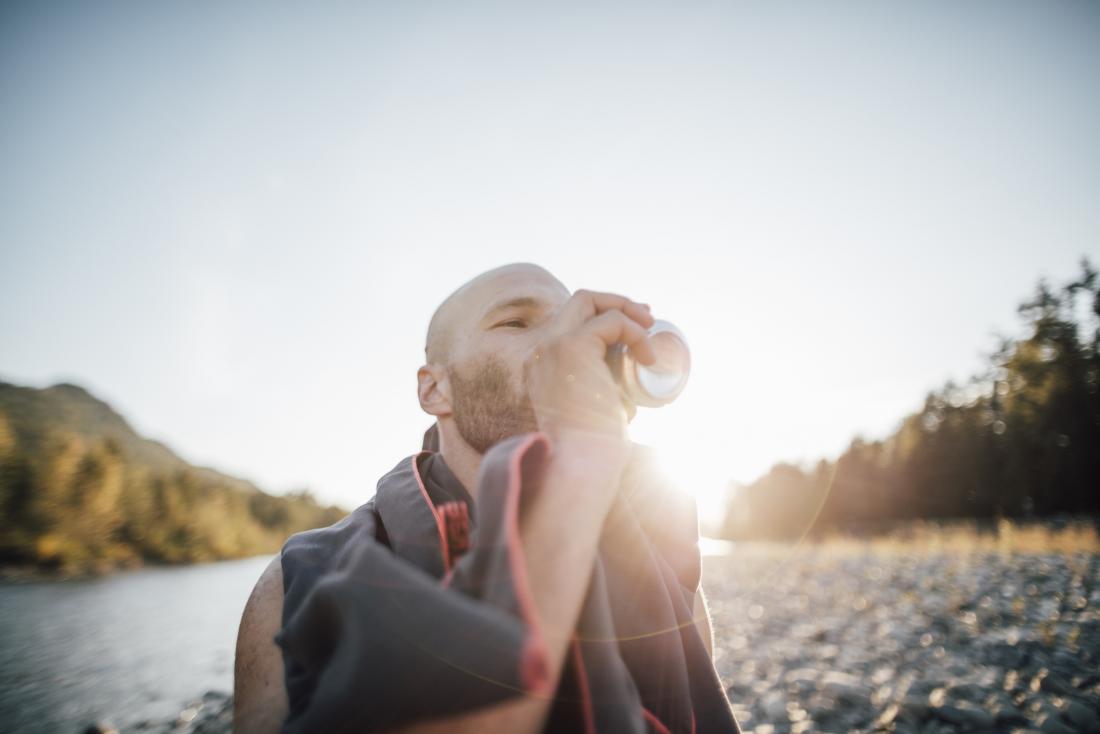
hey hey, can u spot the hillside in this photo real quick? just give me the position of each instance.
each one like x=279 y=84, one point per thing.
x=80 y=490
x=82 y=414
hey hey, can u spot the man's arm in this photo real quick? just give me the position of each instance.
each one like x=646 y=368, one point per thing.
x=702 y=621
x=558 y=567
x=259 y=691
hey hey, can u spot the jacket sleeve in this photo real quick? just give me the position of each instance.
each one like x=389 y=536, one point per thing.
x=383 y=643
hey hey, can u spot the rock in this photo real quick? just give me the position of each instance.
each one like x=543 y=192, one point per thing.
x=972 y=692
x=1054 y=725
x=1011 y=681
x=1003 y=654
x=1010 y=719
x=924 y=687
x=914 y=710
x=774 y=705
x=966 y=717
x=1064 y=662
x=1004 y=711
x=998 y=701
x=844 y=687
x=100 y=728
x=1082 y=717
x=211 y=714
x=835 y=677
x=802 y=675
x=959 y=667
x=1051 y=682
x=827 y=714
x=887 y=716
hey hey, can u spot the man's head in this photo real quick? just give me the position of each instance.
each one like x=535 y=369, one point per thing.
x=478 y=339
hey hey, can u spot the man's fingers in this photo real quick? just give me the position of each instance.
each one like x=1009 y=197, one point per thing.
x=614 y=327
x=585 y=304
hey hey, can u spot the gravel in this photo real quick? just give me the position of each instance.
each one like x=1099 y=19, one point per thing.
x=809 y=640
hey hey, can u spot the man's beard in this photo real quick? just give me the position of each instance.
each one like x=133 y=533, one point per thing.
x=486 y=408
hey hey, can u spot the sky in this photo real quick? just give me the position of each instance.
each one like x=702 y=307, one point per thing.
x=232 y=221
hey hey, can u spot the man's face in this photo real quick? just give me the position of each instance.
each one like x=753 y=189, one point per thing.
x=498 y=325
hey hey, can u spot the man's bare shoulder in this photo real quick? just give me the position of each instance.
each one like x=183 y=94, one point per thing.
x=260 y=702
x=269 y=587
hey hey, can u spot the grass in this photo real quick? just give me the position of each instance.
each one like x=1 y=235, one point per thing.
x=968 y=537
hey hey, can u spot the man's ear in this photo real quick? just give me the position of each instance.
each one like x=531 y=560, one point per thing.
x=434 y=390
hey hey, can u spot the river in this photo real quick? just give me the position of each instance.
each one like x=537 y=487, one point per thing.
x=122 y=648
x=128 y=647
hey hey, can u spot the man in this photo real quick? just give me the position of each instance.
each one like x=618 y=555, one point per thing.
x=568 y=607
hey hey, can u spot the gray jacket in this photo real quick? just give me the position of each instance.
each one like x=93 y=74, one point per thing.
x=417 y=606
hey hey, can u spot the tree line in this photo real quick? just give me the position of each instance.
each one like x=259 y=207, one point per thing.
x=1021 y=439
x=74 y=503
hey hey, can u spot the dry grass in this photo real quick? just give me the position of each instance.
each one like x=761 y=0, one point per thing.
x=967 y=537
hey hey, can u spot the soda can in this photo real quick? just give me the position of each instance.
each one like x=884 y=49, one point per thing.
x=657 y=384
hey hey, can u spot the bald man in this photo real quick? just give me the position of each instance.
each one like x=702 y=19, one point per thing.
x=510 y=353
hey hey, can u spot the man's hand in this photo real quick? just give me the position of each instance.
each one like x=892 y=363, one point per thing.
x=575 y=397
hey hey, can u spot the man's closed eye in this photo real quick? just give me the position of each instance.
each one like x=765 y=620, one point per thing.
x=519 y=323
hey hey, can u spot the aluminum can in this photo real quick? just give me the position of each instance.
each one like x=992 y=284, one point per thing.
x=658 y=384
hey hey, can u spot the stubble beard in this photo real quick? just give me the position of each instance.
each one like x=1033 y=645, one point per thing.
x=487 y=409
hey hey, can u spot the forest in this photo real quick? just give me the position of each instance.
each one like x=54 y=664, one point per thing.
x=1019 y=440
x=81 y=492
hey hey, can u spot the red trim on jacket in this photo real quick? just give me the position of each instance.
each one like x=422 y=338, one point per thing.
x=439 y=526
x=534 y=665
x=582 y=682
x=658 y=724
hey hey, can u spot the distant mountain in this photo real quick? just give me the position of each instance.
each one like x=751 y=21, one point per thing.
x=81 y=490
x=34 y=412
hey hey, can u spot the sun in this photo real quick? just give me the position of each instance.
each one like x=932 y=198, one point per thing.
x=691 y=471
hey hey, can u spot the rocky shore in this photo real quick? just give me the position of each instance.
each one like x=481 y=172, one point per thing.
x=816 y=641
x=210 y=714
x=811 y=640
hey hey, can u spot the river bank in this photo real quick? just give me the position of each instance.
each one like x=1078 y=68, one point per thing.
x=816 y=639
x=840 y=639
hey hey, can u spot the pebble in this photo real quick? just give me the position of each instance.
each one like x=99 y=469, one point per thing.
x=1082 y=717
x=916 y=644
x=210 y=714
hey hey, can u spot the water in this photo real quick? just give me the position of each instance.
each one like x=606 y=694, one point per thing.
x=715 y=547
x=136 y=645
x=132 y=646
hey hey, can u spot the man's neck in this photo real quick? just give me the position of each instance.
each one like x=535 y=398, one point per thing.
x=463 y=462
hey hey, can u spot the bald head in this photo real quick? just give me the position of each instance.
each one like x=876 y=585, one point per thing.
x=460 y=310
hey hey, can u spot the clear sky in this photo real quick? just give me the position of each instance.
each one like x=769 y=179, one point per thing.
x=233 y=221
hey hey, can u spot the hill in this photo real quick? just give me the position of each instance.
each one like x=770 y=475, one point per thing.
x=82 y=414
x=80 y=490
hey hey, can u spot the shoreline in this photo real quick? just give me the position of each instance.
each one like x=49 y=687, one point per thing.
x=17 y=574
